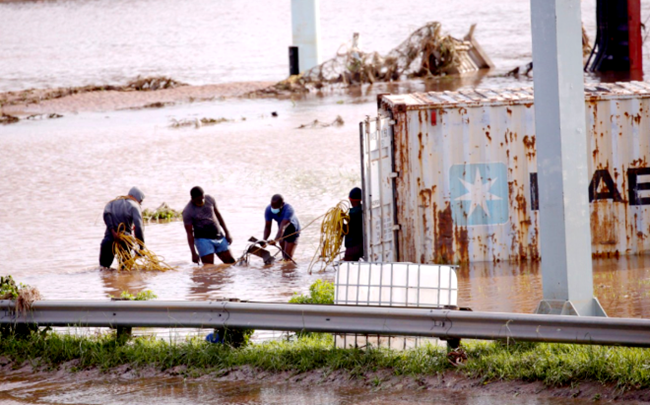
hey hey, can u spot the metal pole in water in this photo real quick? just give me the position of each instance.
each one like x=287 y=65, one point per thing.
x=306 y=32
x=294 y=64
x=565 y=232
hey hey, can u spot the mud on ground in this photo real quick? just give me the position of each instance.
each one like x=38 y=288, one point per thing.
x=381 y=380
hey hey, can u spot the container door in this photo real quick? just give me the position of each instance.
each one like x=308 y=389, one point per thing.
x=379 y=189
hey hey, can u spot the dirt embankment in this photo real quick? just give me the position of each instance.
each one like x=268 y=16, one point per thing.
x=140 y=93
x=384 y=380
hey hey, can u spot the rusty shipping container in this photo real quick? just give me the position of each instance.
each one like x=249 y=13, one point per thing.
x=452 y=177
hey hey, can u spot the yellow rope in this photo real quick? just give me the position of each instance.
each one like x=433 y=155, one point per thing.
x=143 y=259
x=333 y=229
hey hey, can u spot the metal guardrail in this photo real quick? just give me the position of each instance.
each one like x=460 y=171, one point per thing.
x=386 y=321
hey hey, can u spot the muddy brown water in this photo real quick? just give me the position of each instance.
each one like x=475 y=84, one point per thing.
x=168 y=391
x=58 y=174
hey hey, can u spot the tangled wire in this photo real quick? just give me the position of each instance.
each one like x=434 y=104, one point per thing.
x=426 y=52
x=132 y=254
x=333 y=229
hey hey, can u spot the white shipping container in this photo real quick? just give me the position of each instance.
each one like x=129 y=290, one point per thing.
x=452 y=177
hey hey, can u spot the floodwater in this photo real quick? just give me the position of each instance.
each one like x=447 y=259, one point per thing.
x=79 y=42
x=58 y=174
x=168 y=391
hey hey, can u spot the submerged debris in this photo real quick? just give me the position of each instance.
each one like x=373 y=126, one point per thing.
x=44 y=116
x=526 y=69
x=196 y=122
x=6 y=119
x=33 y=96
x=153 y=83
x=426 y=52
x=336 y=123
x=163 y=212
x=157 y=104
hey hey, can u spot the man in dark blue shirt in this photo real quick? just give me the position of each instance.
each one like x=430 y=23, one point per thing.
x=288 y=226
x=354 y=238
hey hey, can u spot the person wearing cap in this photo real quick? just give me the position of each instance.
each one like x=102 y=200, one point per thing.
x=288 y=226
x=123 y=211
x=206 y=229
x=354 y=238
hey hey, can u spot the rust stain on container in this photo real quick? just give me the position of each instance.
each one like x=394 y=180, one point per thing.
x=462 y=244
x=529 y=144
x=441 y=218
x=444 y=235
x=603 y=225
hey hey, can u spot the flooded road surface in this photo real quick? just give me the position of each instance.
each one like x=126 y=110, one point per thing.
x=173 y=390
x=58 y=174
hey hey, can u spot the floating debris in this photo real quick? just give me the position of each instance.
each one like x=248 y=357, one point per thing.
x=336 y=123
x=196 y=122
x=6 y=119
x=162 y=213
x=22 y=294
x=33 y=96
x=526 y=69
x=44 y=116
x=426 y=52
x=157 y=104
x=153 y=83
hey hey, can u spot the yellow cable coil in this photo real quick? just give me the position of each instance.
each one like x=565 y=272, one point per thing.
x=141 y=259
x=333 y=229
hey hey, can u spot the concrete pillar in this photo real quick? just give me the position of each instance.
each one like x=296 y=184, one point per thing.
x=306 y=28
x=563 y=179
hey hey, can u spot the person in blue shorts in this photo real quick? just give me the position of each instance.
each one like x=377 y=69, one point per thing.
x=206 y=229
x=288 y=226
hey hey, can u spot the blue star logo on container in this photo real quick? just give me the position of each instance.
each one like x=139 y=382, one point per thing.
x=479 y=194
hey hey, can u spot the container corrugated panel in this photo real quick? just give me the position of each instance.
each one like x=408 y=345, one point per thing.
x=465 y=187
x=378 y=175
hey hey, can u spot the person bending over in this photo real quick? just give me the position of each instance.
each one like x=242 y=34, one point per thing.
x=288 y=226
x=124 y=211
x=206 y=229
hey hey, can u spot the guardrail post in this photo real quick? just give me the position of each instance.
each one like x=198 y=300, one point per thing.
x=564 y=216
x=123 y=333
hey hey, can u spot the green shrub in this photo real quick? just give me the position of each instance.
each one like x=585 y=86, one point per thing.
x=145 y=295
x=321 y=292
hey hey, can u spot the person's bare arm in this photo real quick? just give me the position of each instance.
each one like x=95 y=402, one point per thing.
x=281 y=228
x=223 y=225
x=267 y=230
x=190 y=242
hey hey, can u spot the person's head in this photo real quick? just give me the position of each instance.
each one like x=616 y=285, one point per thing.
x=136 y=194
x=198 y=197
x=277 y=202
x=355 y=196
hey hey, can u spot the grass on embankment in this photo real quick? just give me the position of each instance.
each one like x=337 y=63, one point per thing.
x=553 y=364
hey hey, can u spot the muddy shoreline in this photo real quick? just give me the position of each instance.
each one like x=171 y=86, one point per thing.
x=106 y=98
x=381 y=380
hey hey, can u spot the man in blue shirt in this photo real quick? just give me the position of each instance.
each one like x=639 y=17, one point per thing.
x=288 y=226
